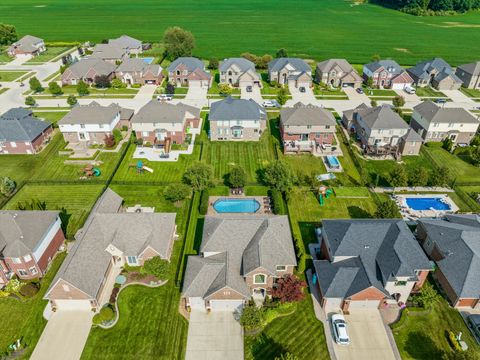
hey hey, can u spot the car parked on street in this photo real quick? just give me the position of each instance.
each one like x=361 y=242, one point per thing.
x=340 y=332
x=441 y=101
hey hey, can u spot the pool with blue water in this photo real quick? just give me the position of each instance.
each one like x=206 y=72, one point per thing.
x=333 y=161
x=148 y=60
x=236 y=206
x=427 y=203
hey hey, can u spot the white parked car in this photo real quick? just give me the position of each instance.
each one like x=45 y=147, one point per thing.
x=270 y=103
x=164 y=97
x=340 y=332
x=409 y=90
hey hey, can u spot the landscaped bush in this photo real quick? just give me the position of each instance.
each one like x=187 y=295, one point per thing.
x=136 y=86
x=277 y=202
x=289 y=288
x=30 y=289
x=117 y=135
x=157 y=267
x=105 y=314
x=114 y=294
x=252 y=317
x=203 y=206
x=453 y=341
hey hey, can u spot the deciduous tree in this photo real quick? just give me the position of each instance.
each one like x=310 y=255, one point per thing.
x=178 y=42
x=387 y=210
x=237 y=177
x=35 y=85
x=198 y=176
x=289 y=288
x=278 y=175
x=177 y=193
x=82 y=88
x=8 y=34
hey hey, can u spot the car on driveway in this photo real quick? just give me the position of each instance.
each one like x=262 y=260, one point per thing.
x=164 y=97
x=360 y=90
x=249 y=88
x=441 y=101
x=340 y=332
x=270 y=104
x=409 y=90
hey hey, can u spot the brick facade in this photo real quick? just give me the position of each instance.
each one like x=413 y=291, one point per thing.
x=22 y=147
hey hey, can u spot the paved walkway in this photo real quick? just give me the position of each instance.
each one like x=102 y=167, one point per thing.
x=214 y=336
x=412 y=188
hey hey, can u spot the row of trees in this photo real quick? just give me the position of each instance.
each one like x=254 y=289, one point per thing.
x=419 y=176
x=430 y=7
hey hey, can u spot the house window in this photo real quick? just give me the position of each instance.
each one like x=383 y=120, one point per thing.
x=178 y=72
x=450 y=125
x=435 y=124
x=327 y=126
x=400 y=283
x=33 y=270
x=132 y=260
x=281 y=268
x=82 y=126
x=309 y=126
x=22 y=272
x=260 y=279
x=16 y=260
x=101 y=126
x=13 y=144
x=2 y=144
x=81 y=136
x=27 y=258
x=144 y=133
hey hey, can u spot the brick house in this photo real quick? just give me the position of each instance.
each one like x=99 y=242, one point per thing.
x=27 y=45
x=239 y=72
x=306 y=128
x=23 y=133
x=469 y=74
x=87 y=70
x=189 y=71
x=109 y=240
x=137 y=71
x=435 y=72
x=368 y=263
x=131 y=45
x=29 y=240
x=290 y=71
x=110 y=53
x=237 y=119
x=240 y=258
x=453 y=243
x=387 y=74
x=337 y=73
x=162 y=124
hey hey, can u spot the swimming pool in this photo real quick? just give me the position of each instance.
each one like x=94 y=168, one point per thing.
x=236 y=205
x=148 y=60
x=333 y=161
x=427 y=203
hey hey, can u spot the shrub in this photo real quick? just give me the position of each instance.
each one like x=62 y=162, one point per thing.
x=109 y=141
x=30 y=289
x=105 y=314
x=82 y=88
x=114 y=294
x=30 y=101
x=278 y=203
x=453 y=341
x=72 y=100
x=136 y=86
x=35 y=85
x=13 y=286
x=176 y=193
x=157 y=267
x=54 y=88
x=7 y=186
x=289 y=288
x=213 y=63
x=252 y=317
x=203 y=206
x=124 y=128
x=117 y=134
x=118 y=84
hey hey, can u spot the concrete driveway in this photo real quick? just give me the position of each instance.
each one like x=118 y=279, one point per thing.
x=354 y=95
x=306 y=97
x=64 y=336
x=196 y=96
x=214 y=336
x=408 y=97
x=368 y=336
x=256 y=94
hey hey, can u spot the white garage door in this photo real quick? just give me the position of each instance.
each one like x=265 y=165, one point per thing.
x=364 y=304
x=73 y=304
x=195 y=83
x=226 y=305
x=398 y=86
x=197 y=303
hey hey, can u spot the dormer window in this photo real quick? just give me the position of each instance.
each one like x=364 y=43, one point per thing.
x=260 y=279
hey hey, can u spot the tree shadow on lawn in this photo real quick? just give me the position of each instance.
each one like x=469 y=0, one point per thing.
x=420 y=346
x=356 y=212
x=265 y=348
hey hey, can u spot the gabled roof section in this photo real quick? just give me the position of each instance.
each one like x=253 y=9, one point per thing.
x=19 y=124
x=138 y=65
x=382 y=117
x=165 y=113
x=391 y=66
x=304 y=115
x=190 y=63
x=92 y=113
x=471 y=68
x=433 y=113
x=81 y=68
x=236 y=109
x=296 y=63
x=442 y=69
x=126 y=42
x=108 y=52
x=242 y=63
x=28 y=43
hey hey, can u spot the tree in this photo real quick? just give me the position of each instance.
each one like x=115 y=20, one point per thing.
x=72 y=100
x=289 y=288
x=82 y=88
x=282 y=96
x=117 y=83
x=213 y=63
x=224 y=89
x=237 y=177
x=252 y=316
x=7 y=186
x=447 y=144
x=398 y=176
x=170 y=89
x=157 y=267
x=102 y=81
x=178 y=42
x=398 y=101
x=369 y=82
x=428 y=295
x=54 y=88
x=262 y=62
x=35 y=85
x=198 y=176
x=278 y=175
x=109 y=141
x=475 y=155
x=176 y=193
x=440 y=176
x=418 y=177
x=375 y=57
x=30 y=101
x=373 y=103
x=387 y=210
x=281 y=53
x=8 y=34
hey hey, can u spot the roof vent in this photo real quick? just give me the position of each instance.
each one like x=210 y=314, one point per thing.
x=21 y=236
x=367 y=246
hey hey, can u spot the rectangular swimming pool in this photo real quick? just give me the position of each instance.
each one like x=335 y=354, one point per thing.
x=148 y=60
x=236 y=206
x=427 y=203
x=333 y=161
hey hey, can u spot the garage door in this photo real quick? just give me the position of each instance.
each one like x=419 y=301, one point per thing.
x=73 y=304
x=226 y=305
x=364 y=304
x=398 y=86
x=195 y=83
x=197 y=303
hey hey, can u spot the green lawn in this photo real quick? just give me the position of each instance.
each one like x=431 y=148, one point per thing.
x=300 y=334
x=318 y=90
x=306 y=164
x=474 y=93
x=429 y=92
x=11 y=75
x=72 y=90
x=380 y=92
x=76 y=199
x=51 y=116
x=51 y=53
x=24 y=319
x=214 y=88
x=4 y=58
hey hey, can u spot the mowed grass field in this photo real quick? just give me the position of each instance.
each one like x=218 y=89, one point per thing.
x=310 y=28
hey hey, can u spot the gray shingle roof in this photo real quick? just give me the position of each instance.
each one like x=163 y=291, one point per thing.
x=21 y=231
x=423 y=70
x=458 y=238
x=236 y=109
x=242 y=243
x=303 y=115
x=138 y=65
x=242 y=63
x=348 y=114
x=190 y=62
x=327 y=65
x=162 y=112
x=126 y=42
x=92 y=113
x=471 y=68
x=433 y=113
x=412 y=136
x=108 y=52
x=27 y=43
x=19 y=124
x=390 y=66
x=82 y=67
x=382 y=117
x=280 y=63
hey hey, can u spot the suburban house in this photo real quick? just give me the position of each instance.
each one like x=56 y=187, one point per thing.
x=387 y=74
x=90 y=124
x=290 y=71
x=27 y=45
x=23 y=133
x=110 y=53
x=435 y=72
x=110 y=239
x=435 y=123
x=29 y=241
x=348 y=116
x=306 y=128
x=469 y=74
x=163 y=124
x=240 y=257
x=137 y=71
x=368 y=263
x=237 y=119
x=131 y=45
x=189 y=71
x=453 y=243
x=87 y=70
x=337 y=73
x=239 y=72
x=383 y=132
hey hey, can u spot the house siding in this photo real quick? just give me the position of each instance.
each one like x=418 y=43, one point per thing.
x=51 y=250
x=25 y=147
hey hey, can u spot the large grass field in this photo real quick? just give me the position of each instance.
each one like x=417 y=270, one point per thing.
x=314 y=29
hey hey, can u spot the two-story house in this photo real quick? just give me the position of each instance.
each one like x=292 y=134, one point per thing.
x=237 y=119
x=383 y=132
x=435 y=123
x=306 y=128
x=137 y=71
x=163 y=124
x=454 y=244
x=27 y=45
x=240 y=257
x=337 y=73
x=368 y=263
x=387 y=74
x=29 y=241
x=23 y=133
x=91 y=124
x=239 y=72
x=189 y=71
x=435 y=72
x=469 y=74
x=87 y=70
x=290 y=71
x=110 y=239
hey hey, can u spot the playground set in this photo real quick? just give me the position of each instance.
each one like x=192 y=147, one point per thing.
x=323 y=193
x=140 y=167
x=91 y=170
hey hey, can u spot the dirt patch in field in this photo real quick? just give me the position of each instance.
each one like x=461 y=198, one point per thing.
x=403 y=50
x=451 y=24
x=40 y=6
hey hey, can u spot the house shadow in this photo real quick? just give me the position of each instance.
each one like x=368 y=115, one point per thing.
x=198 y=234
x=65 y=218
x=421 y=347
x=356 y=212
x=265 y=348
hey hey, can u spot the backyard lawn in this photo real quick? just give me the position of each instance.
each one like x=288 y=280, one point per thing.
x=11 y=75
x=24 y=319
x=429 y=92
x=51 y=53
x=51 y=116
x=474 y=93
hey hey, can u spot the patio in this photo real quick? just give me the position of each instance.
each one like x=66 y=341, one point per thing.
x=297 y=146
x=410 y=214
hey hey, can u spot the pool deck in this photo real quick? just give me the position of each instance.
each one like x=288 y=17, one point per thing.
x=263 y=210
x=411 y=214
